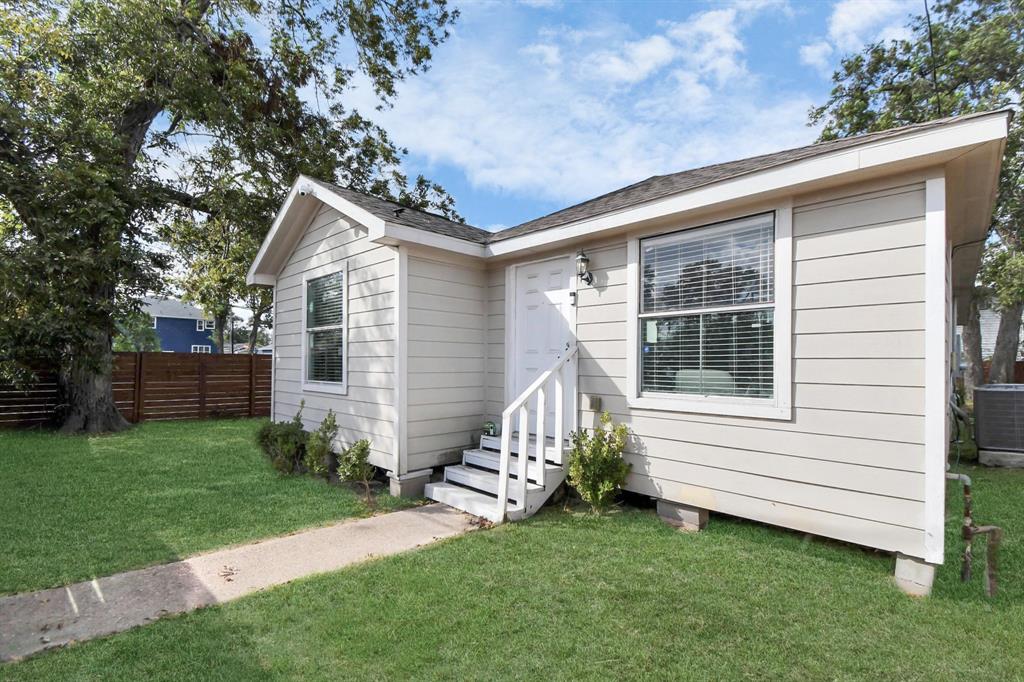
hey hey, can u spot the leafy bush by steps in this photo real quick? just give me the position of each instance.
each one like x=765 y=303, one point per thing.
x=596 y=467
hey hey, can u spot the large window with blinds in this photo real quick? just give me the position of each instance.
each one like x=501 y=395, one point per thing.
x=706 y=311
x=325 y=330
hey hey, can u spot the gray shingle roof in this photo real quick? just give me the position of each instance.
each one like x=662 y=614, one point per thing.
x=661 y=186
x=171 y=307
x=651 y=189
x=410 y=217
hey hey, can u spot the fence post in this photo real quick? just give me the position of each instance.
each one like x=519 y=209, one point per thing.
x=139 y=404
x=202 y=386
x=252 y=384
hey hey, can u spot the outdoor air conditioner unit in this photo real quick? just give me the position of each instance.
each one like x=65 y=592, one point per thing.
x=999 y=424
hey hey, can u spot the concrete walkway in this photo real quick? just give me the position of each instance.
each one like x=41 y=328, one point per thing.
x=51 y=618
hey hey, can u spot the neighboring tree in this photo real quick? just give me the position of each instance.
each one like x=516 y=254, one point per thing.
x=962 y=57
x=119 y=115
x=259 y=301
x=244 y=334
x=136 y=334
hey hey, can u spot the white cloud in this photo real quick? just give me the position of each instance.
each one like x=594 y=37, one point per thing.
x=817 y=55
x=711 y=43
x=635 y=61
x=549 y=55
x=854 y=24
x=576 y=113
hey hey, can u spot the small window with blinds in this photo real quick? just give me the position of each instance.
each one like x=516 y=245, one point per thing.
x=325 y=329
x=706 y=310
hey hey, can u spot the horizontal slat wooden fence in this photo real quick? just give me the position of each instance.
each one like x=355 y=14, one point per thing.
x=160 y=386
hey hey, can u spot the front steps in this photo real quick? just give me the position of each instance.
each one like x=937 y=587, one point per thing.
x=472 y=486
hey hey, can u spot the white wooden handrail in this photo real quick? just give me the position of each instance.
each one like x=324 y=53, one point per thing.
x=522 y=405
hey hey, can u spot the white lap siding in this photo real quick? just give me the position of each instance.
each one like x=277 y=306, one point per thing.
x=446 y=348
x=495 y=343
x=850 y=462
x=367 y=411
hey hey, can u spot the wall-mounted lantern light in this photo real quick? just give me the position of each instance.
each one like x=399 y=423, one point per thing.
x=581 y=268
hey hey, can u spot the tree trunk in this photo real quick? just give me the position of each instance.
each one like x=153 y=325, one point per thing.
x=88 y=395
x=221 y=321
x=1004 y=357
x=254 y=333
x=974 y=372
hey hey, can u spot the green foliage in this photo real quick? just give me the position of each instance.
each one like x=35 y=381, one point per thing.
x=136 y=334
x=354 y=465
x=121 y=115
x=284 y=442
x=1002 y=269
x=968 y=58
x=596 y=467
x=318 y=446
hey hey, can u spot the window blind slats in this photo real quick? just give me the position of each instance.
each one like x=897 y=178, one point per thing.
x=325 y=333
x=325 y=300
x=709 y=352
x=325 y=355
x=704 y=270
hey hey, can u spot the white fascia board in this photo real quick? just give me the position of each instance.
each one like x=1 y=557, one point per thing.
x=392 y=233
x=871 y=155
x=304 y=187
x=253 y=276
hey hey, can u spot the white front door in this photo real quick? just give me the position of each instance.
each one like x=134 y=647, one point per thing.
x=545 y=322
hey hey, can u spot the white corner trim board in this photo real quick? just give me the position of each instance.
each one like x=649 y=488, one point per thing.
x=401 y=395
x=780 y=405
x=936 y=371
x=325 y=386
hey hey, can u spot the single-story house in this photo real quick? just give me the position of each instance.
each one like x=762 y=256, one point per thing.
x=182 y=328
x=776 y=332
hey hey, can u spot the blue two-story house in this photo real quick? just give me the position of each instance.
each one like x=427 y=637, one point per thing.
x=182 y=328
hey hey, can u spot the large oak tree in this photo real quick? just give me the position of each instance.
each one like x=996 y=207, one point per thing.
x=117 y=116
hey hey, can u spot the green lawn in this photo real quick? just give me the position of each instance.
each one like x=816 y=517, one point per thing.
x=72 y=507
x=567 y=596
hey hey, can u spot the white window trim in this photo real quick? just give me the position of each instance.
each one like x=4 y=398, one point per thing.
x=332 y=387
x=200 y=325
x=211 y=326
x=780 y=406
x=198 y=348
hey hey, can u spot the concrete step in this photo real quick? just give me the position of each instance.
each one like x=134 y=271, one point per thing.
x=551 y=453
x=470 y=501
x=485 y=481
x=491 y=460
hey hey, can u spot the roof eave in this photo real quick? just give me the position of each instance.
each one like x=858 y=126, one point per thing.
x=394 y=234
x=915 y=149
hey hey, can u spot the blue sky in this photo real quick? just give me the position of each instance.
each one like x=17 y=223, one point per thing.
x=533 y=106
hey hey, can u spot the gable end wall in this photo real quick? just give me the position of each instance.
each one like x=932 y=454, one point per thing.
x=367 y=411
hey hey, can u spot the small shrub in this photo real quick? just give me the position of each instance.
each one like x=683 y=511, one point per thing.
x=318 y=446
x=284 y=442
x=353 y=465
x=596 y=467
